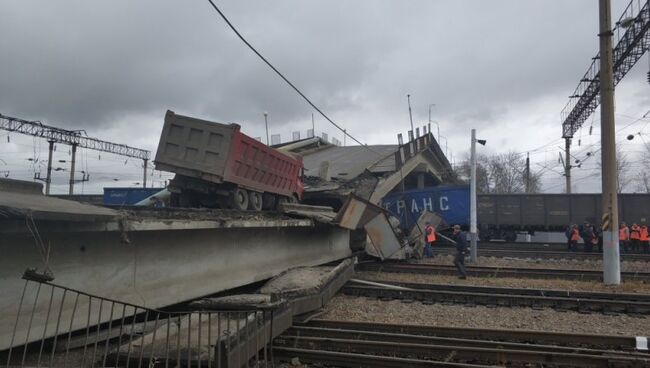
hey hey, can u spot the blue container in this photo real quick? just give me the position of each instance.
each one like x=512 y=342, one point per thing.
x=450 y=202
x=127 y=196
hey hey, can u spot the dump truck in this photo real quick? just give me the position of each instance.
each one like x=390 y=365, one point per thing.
x=218 y=166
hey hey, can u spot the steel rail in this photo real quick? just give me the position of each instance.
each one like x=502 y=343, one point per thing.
x=344 y=359
x=543 y=254
x=599 y=341
x=538 y=273
x=458 y=354
x=360 y=334
x=627 y=297
x=502 y=300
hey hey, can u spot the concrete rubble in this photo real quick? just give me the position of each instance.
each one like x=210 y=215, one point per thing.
x=258 y=317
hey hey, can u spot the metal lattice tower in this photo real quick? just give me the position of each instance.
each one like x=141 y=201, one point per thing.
x=630 y=47
x=73 y=138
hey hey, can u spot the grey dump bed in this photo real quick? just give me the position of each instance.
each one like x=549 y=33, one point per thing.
x=194 y=147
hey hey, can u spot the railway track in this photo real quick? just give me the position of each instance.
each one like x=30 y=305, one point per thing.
x=355 y=344
x=585 y=302
x=479 y=271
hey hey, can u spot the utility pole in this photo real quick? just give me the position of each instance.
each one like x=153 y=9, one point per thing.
x=48 y=179
x=313 y=127
x=408 y=97
x=345 y=135
x=144 y=174
x=567 y=164
x=473 y=256
x=266 y=123
x=72 y=164
x=437 y=123
x=611 y=256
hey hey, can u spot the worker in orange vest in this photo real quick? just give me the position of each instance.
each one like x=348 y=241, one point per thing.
x=624 y=237
x=429 y=239
x=573 y=239
x=644 y=237
x=635 y=237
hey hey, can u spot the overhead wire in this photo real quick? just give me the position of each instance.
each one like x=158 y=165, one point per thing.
x=239 y=35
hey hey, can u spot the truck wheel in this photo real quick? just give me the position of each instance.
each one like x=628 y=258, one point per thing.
x=281 y=200
x=254 y=201
x=239 y=199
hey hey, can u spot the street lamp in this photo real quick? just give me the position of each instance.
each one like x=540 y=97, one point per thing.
x=437 y=123
x=472 y=199
x=266 y=123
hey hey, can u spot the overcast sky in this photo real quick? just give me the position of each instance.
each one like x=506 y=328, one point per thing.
x=113 y=68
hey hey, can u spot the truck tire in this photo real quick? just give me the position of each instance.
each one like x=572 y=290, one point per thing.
x=254 y=201
x=281 y=200
x=239 y=199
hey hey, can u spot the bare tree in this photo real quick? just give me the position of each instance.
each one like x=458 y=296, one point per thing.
x=501 y=173
x=642 y=178
x=623 y=175
x=482 y=175
x=622 y=170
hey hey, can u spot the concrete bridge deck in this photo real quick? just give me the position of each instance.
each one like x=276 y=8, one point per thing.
x=153 y=258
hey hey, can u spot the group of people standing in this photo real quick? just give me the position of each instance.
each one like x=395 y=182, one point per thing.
x=635 y=238
x=589 y=234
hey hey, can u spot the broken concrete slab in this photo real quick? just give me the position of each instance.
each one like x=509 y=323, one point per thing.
x=223 y=339
x=20 y=199
x=323 y=214
x=310 y=288
x=238 y=302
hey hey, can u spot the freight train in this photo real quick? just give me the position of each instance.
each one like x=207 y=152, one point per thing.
x=502 y=216
x=218 y=166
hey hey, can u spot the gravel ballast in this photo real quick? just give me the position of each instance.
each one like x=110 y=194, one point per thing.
x=350 y=308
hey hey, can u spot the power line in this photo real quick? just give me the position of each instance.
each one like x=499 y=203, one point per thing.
x=232 y=27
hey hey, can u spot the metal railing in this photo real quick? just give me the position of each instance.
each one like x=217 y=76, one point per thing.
x=57 y=326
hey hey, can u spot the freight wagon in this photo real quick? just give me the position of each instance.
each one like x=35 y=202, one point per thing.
x=218 y=166
x=502 y=216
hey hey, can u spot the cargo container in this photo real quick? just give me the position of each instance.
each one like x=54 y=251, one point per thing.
x=218 y=166
x=127 y=196
x=450 y=202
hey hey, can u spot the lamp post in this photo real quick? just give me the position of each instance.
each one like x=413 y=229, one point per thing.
x=437 y=122
x=408 y=98
x=266 y=122
x=473 y=236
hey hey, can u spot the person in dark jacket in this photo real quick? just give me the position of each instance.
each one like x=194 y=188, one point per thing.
x=461 y=249
x=588 y=237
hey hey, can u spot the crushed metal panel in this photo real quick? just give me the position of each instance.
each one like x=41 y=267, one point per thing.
x=356 y=213
x=382 y=237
